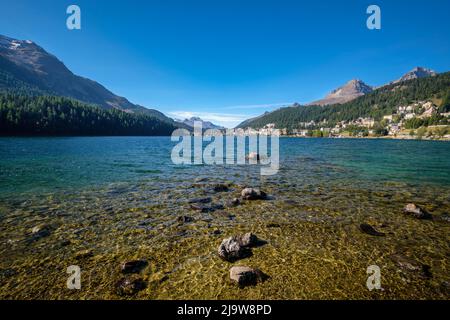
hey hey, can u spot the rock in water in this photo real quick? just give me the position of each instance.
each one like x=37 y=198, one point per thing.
x=273 y=225
x=411 y=265
x=185 y=219
x=130 y=286
x=367 y=228
x=84 y=254
x=200 y=200
x=206 y=208
x=134 y=266
x=221 y=188
x=246 y=276
x=40 y=231
x=253 y=194
x=248 y=240
x=233 y=203
x=237 y=247
x=230 y=250
x=417 y=212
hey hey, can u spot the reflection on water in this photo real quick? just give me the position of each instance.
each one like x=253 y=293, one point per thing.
x=109 y=200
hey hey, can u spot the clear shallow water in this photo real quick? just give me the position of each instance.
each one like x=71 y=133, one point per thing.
x=120 y=197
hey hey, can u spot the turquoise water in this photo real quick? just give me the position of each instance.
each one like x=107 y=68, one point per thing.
x=106 y=200
x=40 y=165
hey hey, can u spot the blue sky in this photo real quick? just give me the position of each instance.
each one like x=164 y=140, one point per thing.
x=229 y=60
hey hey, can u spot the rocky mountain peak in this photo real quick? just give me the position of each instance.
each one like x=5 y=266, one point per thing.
x=416 y=73
x=349 y=91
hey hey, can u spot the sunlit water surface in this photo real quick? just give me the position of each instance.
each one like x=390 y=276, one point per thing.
x=113 y=199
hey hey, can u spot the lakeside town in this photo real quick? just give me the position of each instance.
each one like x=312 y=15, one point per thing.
x=405 y=123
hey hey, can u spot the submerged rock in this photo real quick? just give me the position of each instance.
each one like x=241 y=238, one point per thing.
x=134 y=266
x=273 y=225
x=237 y=247
x=84 y=254
x=417 y=212
x=247 y=240
x=233 y=203
x=130 y=286
x=221 y=188
x=200 y=200
x=412 y=265
x=185 y=219
x=246 y=276
x=40 y=231
x=65 y=243
x=230 y=250
x=206 y=208
x=226 y=215
x=445 y=217
x=253 y=194
x=368 y=229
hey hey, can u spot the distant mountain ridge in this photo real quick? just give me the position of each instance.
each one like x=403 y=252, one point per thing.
x=356 y=88
x=205 y=124
x=23 y=63
x=381 y=101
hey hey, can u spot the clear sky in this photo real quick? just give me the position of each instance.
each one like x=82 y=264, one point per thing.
x=229 y=60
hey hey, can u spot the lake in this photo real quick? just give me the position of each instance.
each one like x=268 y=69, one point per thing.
x=106 y=200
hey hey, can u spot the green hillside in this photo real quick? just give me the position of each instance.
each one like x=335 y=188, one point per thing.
x=381 y=102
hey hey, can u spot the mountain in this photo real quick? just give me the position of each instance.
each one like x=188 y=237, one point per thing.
x=24 y=65
x=356 y=88
x=416 y=73
x=375 y=104
x=205 y=124
x=351 y=90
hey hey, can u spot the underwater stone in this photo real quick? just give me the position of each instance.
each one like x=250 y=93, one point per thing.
x=273 y=225
x=416 y=211
x=130 y=286
x=206 y=208
x=200 y=200
x=185 y=219
x=253 y=194
x=40 y=231
x=248 y=240
x=246 y=276
x=221 y=188
x=237 y=247
x=84 y=254
x=412 y=265
x=233 y=203
x=134 y=266
x=230 y=250
x=368 y=229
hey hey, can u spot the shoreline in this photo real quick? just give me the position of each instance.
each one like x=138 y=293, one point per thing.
x=370 y=138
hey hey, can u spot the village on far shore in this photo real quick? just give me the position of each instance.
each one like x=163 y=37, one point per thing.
x=405 y=123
